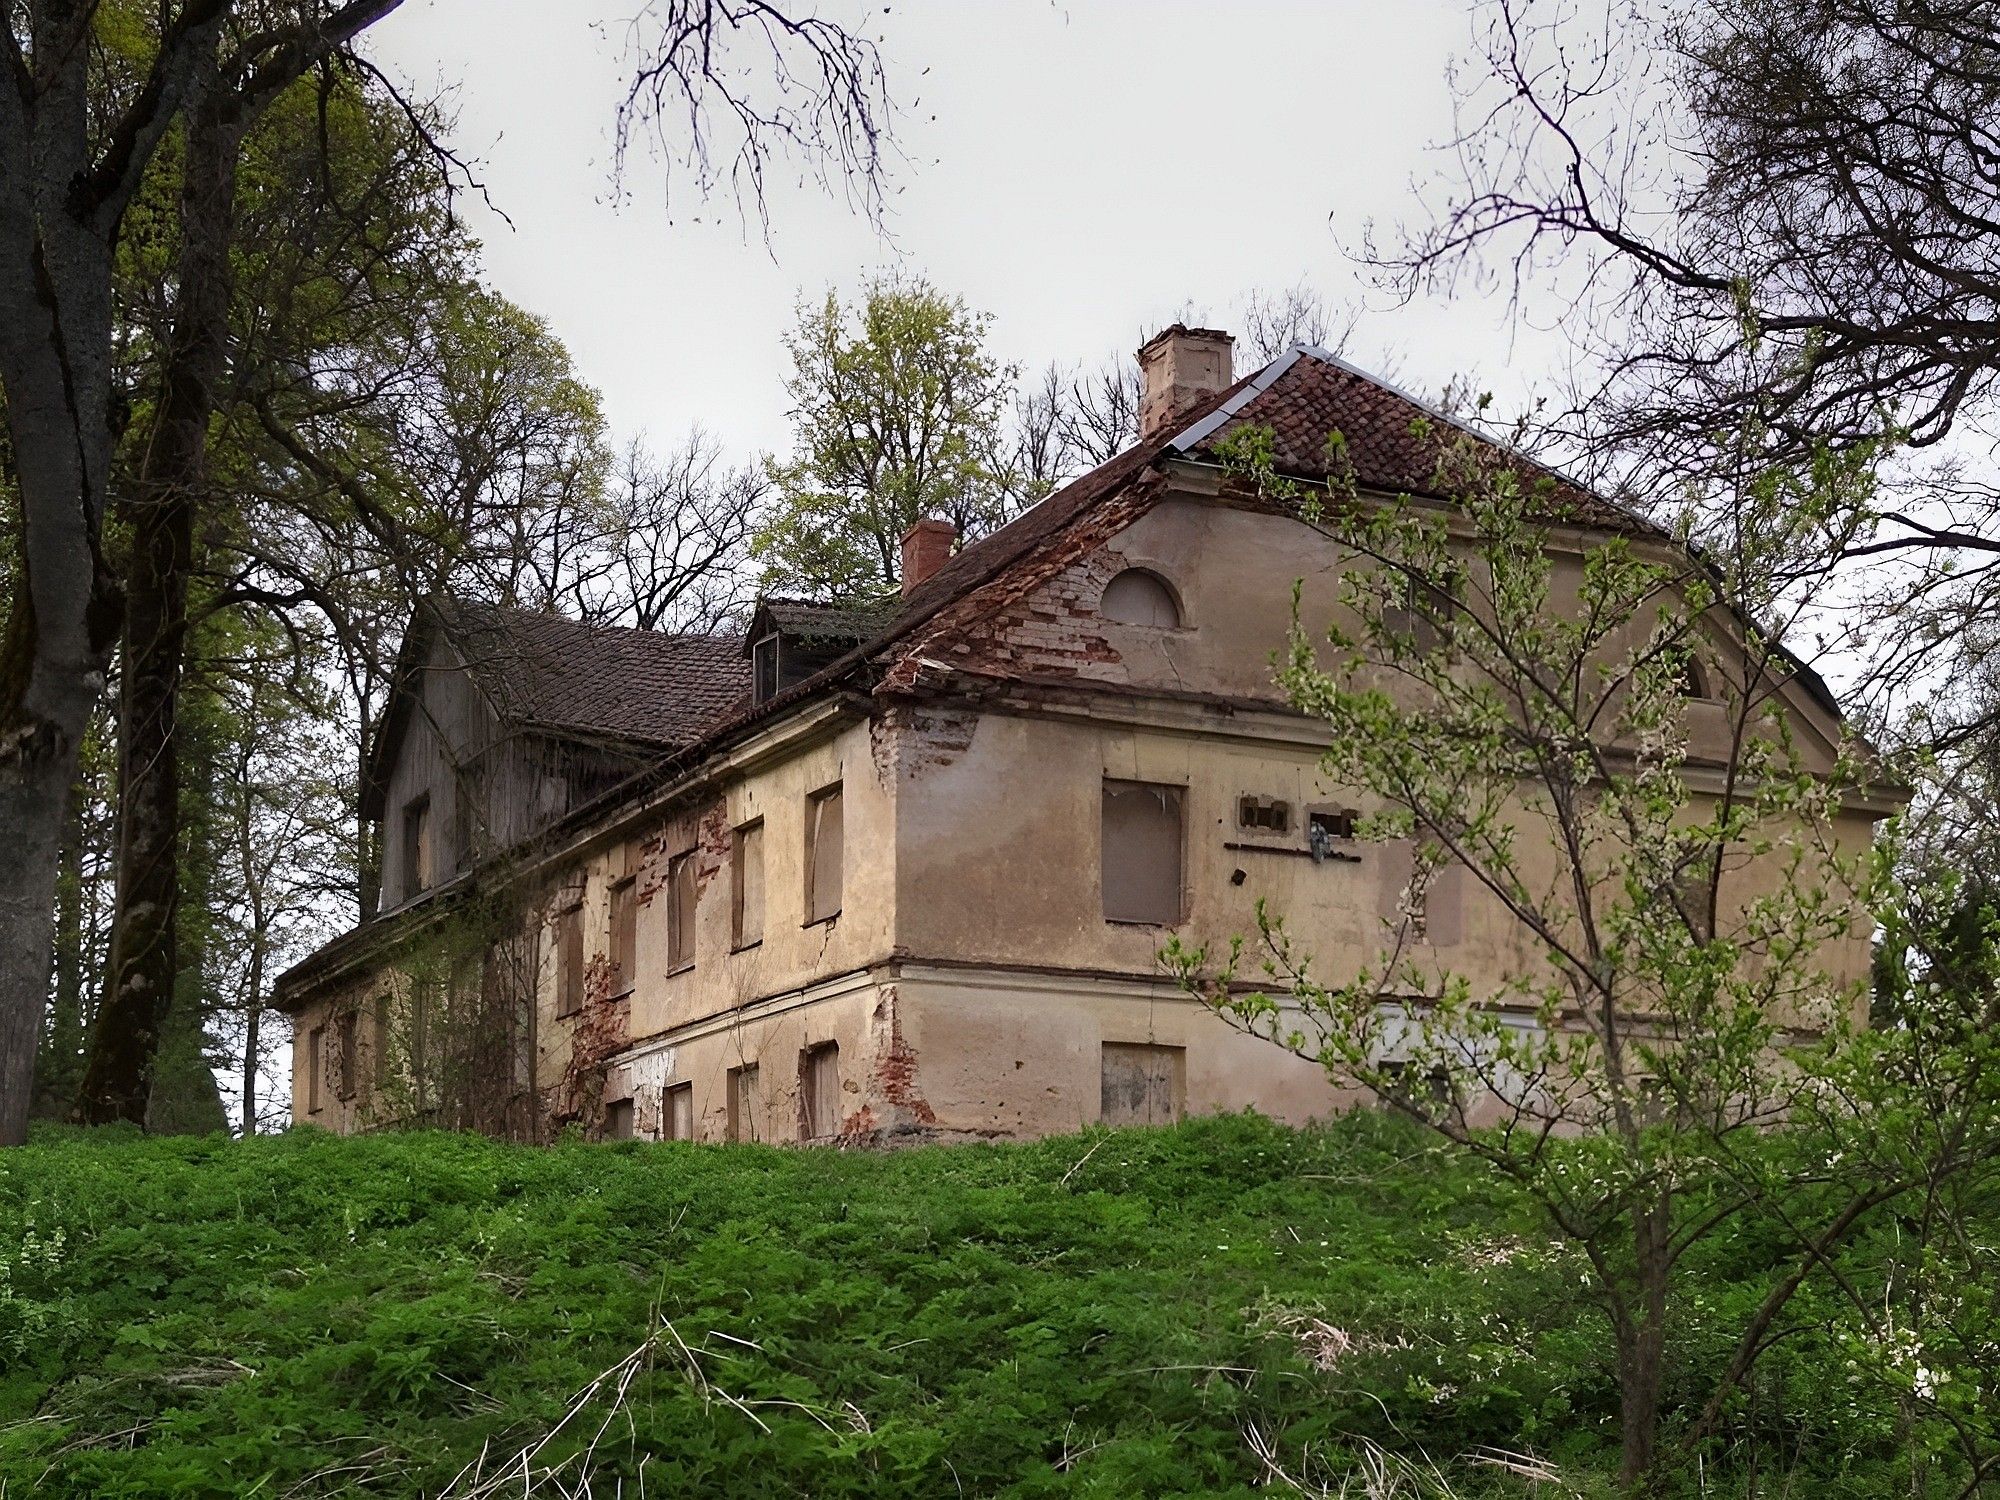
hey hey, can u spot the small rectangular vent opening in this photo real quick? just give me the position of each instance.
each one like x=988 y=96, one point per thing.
x=1268 y=813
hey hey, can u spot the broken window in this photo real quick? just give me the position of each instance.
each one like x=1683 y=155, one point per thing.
x=819 y=1090
x=569 y=961
x=1424 y=610
x=1141 y=852
x=680 y=911
x=677 y=1113
x=379 y=1017
x=1336 y=824
x=746 y=886
x=1136 y=597
x=1142 y=1084
x=743 y=1103
x=1429 y=1094
x=1268 y=813
x=423 y=997
x=764 y=668
x=416 y=845
x=618 y=1120
x=347 y=1043
x=315 y=1064
x=823 y=854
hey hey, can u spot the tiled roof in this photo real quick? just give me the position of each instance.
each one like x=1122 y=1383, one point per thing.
x=554 y=673
x=1306 y=396
x=815 y=621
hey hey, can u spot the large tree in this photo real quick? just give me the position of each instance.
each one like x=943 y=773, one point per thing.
x=82 y=118
x=898 y=408
x=76 y=140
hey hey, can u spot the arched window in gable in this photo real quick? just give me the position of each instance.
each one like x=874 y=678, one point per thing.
x=1137 y=597
x=1686 y=670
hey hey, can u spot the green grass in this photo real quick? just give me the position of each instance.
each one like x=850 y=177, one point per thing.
x=1117 y=1313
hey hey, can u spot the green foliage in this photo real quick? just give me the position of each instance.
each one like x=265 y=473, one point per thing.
x=1117 y=1313
x=1603 y=740
x=898 y=409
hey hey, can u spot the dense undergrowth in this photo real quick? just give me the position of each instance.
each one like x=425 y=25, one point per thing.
x=1184 y=1311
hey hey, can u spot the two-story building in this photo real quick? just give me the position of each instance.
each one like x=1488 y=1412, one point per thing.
x=902 y=869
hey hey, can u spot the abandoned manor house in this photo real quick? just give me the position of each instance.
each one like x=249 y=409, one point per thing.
x=902 y=869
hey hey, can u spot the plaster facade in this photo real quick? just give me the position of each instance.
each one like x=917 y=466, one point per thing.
x=905 y=870
x=969 y=983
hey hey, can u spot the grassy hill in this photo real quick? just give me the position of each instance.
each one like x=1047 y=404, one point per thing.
x=1182 y=1311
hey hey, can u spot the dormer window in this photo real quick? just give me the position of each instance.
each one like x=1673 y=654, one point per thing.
x=1137 y=597
x=764 y=668
x=791 y=640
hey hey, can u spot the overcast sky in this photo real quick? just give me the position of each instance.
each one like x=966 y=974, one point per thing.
x=1081 y=171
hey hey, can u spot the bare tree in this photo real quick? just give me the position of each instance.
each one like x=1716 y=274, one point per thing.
x=673 y=548
x=1788 y=208
x=1076 y=417
x=1780 y=216
x=1272 y=322
x=692 y=98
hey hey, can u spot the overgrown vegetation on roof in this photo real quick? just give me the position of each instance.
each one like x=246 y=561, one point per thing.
x=1184 y=1311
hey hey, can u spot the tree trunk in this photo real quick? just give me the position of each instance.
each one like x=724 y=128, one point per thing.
x=56 y=1069
x=54 y=359
x=144 y=962
x=252 y=1038
x=1642 y=1352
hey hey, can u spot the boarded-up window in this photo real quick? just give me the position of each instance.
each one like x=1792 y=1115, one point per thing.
x=743 y=1109
x=315 y=1066
x=677 y=1113
x=823 y=854
x=569 y=961
x=746 y=886
x=416 y=845
x=347 y=1042
x=680 y=910
x=1142 y=852
x=618 y=1120
x=624 y=936
x=1143 y=1084
x=819 y=1090
x=1444 y=906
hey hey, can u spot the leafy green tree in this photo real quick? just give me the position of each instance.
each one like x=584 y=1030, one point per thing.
x=102 y=94
x=899 y=411
x=1596 y=742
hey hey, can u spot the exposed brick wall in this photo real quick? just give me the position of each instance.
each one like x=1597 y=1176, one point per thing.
x=1040 y=617
x=895 y=1106
x=906 y=740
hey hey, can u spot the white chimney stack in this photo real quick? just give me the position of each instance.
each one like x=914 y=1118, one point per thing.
x=1178 y=366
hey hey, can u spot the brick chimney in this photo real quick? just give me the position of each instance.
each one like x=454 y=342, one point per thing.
x=1177 y=367
x=926 y=548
